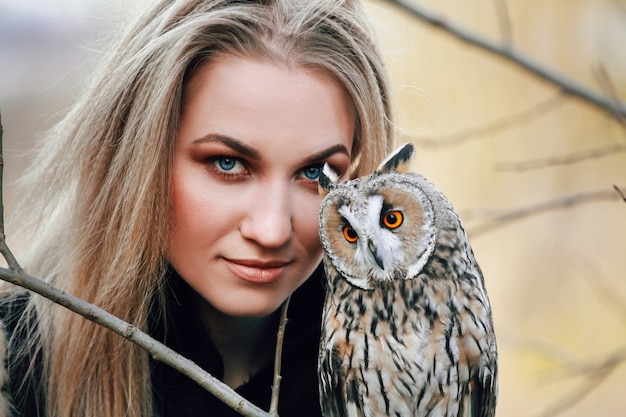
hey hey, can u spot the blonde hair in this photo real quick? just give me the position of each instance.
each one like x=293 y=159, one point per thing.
x=97 y=213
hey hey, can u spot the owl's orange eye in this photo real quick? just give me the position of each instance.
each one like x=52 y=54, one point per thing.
x=393 y=219
x=349 y=234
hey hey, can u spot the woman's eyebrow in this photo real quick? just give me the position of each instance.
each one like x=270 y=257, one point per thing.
x=232 y=143
x=327 y=153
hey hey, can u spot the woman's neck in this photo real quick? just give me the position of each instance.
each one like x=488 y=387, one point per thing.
x=246 y=344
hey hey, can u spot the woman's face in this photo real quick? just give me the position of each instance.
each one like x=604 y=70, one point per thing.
x=252 y=139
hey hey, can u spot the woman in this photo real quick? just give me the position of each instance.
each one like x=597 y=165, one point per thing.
x=179 y=194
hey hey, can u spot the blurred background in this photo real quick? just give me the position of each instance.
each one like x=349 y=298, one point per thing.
x=532 y=172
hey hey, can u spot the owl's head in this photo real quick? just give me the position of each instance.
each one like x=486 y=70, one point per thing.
x=379 y=227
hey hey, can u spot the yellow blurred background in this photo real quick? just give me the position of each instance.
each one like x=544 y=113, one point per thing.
x=556 y=278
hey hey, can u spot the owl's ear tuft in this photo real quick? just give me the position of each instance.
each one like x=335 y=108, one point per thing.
x=327 y=180
x=398 y=161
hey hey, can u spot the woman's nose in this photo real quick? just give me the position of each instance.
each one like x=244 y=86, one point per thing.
x=269 y=218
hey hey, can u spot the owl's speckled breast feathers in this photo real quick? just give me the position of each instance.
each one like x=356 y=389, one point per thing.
x=407 y=327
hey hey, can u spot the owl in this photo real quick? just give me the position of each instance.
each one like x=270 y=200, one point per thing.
x=407 y=327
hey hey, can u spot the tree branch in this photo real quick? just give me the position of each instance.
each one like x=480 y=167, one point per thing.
x=568 y=86
x=607 y=296
x=505 y=23
x=277 y=358
x=620 y=6
x=4 y=250
x=569 y=201
x=595 y=374
x=620 y=192
x=537 y=110
x=608 y=88
x=157 y=350
x=561 y=160
x=568 y=366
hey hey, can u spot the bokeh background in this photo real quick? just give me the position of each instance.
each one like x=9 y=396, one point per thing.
x=497 y=141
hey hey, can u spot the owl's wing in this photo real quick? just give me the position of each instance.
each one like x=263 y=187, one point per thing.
x=483 y=392
x=339 y=394
x=332 y=400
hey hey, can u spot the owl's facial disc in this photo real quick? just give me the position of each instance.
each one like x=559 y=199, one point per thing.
x=379 y=229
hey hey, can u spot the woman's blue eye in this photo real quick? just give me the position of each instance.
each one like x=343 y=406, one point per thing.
x=229 y=167
x=226 y=163
x=312 y=173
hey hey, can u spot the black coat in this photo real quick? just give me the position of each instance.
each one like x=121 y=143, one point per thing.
x=174 y=395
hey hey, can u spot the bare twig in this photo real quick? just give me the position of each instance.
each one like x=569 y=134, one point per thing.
x=607 y=296
x=561 y=160
x=1 y=175
x=607 y=363
x=620 y=192
x=157 y=350
x=595 y=374
x=277 y=358
x=537 y=110
x=545 y=349
x=568 y=366
x=4 y=249
x=608 y=87
x=505 y=23
x=520 y=60
x=569 y=201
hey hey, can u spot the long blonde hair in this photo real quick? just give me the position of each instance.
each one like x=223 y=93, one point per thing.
x=97 y=211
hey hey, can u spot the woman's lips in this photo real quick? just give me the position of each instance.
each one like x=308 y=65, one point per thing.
x=256 y=271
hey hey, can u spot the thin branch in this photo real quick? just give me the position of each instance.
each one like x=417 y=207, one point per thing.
x=561 y=160
x=1 y=175
x=608 y=87
x=505 y=23
x=277 y=358
x=537 y=110
x=568 y=366
x=545 y=349
x=595 y=374
x=620 y=192
x=607 y=296
x=4 y=249
x=573 y=398
x=157 y=350
x=520 y=60
x=608 y=363
x=501 y=220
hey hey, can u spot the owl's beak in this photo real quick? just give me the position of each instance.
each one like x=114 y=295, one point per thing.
x=374 y=253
